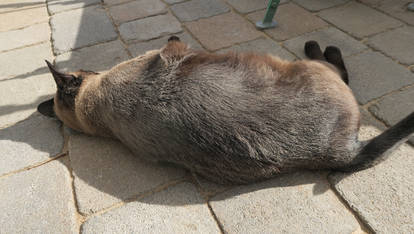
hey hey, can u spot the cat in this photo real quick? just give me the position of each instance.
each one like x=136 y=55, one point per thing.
x=233 y=118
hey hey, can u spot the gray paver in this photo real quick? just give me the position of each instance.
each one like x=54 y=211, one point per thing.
x=64 y=5
x=279 y=205
x=18 y=38
x=113 y=2
x=196 y=9
x=396 y=8
x=372 y=75
x=149 y=28
x=325 y=37
x=262 y=45
x=393 y=108
x=382 y=195
x=38 y=201
x=95 y=58
x=136 y=10
x=367 y=118
x=23 y=18
x=106 y=173
x=141 y=47
x=32 y=141
x=19 y=97
x=246 y=6
x=397 y=43
x=359 y=20
x=222 y=31
x=288 y=24
x=209 y=188
x=25 y=60
x=317 y=5
x=178 y=209
x=79 y=28
x=174 y=1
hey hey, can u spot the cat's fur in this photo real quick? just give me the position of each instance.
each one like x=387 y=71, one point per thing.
x=233 y=118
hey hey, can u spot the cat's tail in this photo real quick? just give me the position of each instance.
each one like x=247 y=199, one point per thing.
x=379 y=148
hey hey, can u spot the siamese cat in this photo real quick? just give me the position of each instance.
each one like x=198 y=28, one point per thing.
x=232 y=118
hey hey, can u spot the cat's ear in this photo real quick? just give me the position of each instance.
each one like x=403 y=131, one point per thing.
x=46 y=108
x=174 y=51
x=61 y=79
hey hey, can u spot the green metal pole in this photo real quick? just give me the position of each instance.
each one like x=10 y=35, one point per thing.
x=268 y=21
x=410 y=6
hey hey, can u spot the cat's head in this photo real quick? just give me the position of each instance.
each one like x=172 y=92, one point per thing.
x=63 y=104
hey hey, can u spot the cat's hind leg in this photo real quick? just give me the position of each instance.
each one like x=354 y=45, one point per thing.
x=333 y=55
x=313 y=51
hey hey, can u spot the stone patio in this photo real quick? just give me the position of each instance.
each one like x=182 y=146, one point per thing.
x=54 y=180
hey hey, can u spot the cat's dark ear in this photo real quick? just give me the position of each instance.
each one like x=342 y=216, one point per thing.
x=61 y=79
x=46 y=108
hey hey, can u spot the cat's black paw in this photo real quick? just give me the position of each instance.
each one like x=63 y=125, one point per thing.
x=333 y=55
x=313 y=50
x=332 y=52
x=174 y=38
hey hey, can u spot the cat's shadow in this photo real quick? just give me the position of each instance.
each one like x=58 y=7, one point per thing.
x=105 y=168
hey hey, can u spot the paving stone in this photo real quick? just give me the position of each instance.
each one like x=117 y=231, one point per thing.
x=18 y=5
x=288 y=24
x=372 y=75
x=30 y=142
x=64 y=5
x=141 y=47
x=174 y=1
x=39 y=200
x=149 y=28
x=197 y=9
x=397 y=43
x=246 y=6
x=26 y=60
x=136 y=10
x=106 y=173
x=19 y=98
x=280 y=204
x=325 y=37
x=178 y=209
x=367 y=118
x=396 y=8
x=382 y=195
x=393 y=108
x=317 y=5
x=209 y=188
x=18 y=38
x=262 y=45
x=222 y=31
x=359 y=20
x=81 y=27
x=23 y=18
x=95 y=58
x=113 y=2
